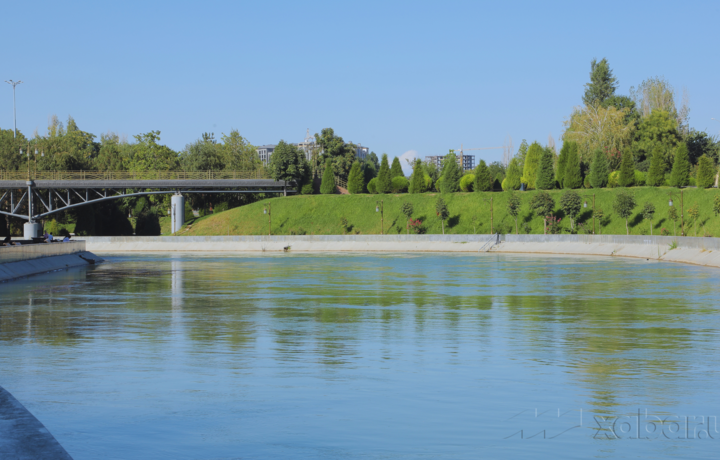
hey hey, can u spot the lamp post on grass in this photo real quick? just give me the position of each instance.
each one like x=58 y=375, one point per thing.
x=682 y=208
x=379 y=208
x=585 y=205
x=268 y=211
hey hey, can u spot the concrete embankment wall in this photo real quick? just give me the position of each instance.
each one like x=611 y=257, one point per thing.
x=22 y=436
x=304 y=243
x=21 y=261
x=697 y=251
x=700 y=251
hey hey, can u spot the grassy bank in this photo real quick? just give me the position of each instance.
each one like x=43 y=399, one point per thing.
x=469 y=213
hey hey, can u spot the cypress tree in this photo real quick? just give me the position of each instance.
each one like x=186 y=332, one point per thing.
x=356 y=184
x=384 y=184
x=680 y=176
x=573 y=176
x=483 y=179
x=512 y=181
x=451 y=175
x=599 y=170
x=545 y=174
x=327 y=186
x=532 y=160
x=562 y=161
x=627 y=170
x=417 y=181
x=706 y=172
x=396 y=169
x=656 y=173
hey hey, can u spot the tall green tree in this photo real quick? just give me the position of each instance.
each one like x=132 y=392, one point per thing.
x=573 y=174
x=10 y=158
x=417 y=181
x=706 y=172
x=602 y=83
x=327 y=186
x=512 y=180
x=648 y=211
x=288 y=163
x=542 y=204
x=407 y=209
x=337 y=150
x=483 y=179
x=356 y=183
x=571 y=204
x=384 y=184
x=149 y=155
x=239 y=154
x=659 y=129
x=513 y=207
x=451 y=174
x=561 y=162
x=532 y=162
x=521 y=154
x=627 y=170
x=545 y=174
x=680 y=176
x=396 y=169
x=370 y=172
x=656 y=173
x=699 y=143
x=599 y=169
x=442 y=212
x=624 y=205
x=202 y=155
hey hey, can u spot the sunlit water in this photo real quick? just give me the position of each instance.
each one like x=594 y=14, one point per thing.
x=368 y=356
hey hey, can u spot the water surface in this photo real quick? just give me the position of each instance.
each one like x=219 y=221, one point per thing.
x=368 y=356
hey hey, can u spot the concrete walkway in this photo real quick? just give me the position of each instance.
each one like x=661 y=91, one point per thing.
x=22 y=436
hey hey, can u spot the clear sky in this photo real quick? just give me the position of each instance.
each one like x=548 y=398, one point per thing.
x=395 y=76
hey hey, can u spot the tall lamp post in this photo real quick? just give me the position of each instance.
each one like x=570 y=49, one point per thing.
x=585 y=206
x=379 y=208
x=268 y=211
x=682 y=209
x=14 y=84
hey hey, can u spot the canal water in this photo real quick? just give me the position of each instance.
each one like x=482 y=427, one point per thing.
x=354 y=356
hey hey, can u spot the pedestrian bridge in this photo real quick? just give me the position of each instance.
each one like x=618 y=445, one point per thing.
x=34 y=195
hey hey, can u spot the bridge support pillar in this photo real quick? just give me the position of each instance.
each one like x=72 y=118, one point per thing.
x=177 y=212
x=31 y=230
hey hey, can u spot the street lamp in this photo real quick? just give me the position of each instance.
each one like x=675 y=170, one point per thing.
x=585 y=205
x=268 y=211
x=682 y=208
x=379 y=208
x=14 y=84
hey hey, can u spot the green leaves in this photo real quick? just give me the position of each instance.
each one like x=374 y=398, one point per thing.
x=680 y=176
x=545 y=176
x=356 y=182
x=602 y=83
x=483 y=179
x=706 y=172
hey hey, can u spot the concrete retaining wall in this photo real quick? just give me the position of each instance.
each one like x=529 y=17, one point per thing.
x=23 y=268
x=22 y=436
x=700 y=251
x=36 y=251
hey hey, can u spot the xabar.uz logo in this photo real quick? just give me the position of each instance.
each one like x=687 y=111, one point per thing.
x=551 y=424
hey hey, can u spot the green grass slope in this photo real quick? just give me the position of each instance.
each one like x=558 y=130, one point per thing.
x=469 y=213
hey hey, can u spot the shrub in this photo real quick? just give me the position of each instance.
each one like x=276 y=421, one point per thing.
x=706 y=172
x=53 y=227
x=399 y=184
x=545 y=178
x=356 y=183
x=327 y=187
x=307 y=189
x=680 y=174
x=627 y=170
x=372 y=185
x=613 y=179
x=513 y=175
x=599 y=170
x=221 y=207
x=438 y=184
x=467 y=182
x=482 y=177
x=639 y=178
x=586 y=182
x=572 y=177
x=384 y=180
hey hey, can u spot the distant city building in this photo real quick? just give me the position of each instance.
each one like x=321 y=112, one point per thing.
x=307 y=146
x=468 y=161
x=264 y=151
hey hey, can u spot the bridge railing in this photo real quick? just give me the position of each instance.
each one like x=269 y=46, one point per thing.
x=133 y=175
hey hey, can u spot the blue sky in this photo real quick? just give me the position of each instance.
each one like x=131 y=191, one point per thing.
x=394 y=76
